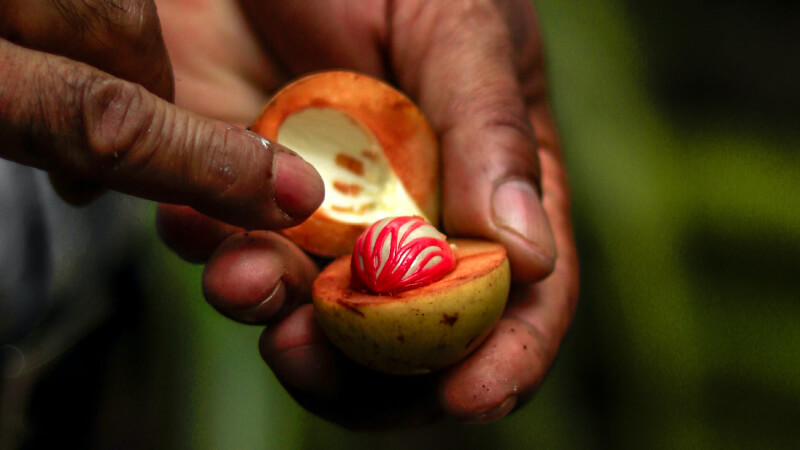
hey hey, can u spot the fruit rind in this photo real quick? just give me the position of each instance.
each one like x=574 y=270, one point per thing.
x=421 y=330
x=402 y=131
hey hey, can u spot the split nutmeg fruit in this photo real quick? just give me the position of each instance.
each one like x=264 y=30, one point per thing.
x=399 y=298
x=374 y=149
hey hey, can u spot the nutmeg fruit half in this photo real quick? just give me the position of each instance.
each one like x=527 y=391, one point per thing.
x=426 y=327
x=372 y=146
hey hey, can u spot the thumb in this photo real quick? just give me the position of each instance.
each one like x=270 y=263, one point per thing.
x=491 y=169
x=61 y=115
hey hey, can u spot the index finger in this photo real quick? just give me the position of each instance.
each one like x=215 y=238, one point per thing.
x=59 y=114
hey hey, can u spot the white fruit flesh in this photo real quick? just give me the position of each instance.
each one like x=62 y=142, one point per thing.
x=360 y=186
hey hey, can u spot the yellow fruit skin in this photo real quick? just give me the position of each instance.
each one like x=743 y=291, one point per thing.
x=417 y=331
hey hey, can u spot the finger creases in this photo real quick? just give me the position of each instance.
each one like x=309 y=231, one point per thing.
x=73 y=118
x=258 y=277
x=121 y=37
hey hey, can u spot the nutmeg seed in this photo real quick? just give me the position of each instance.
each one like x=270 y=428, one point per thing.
x=396 y=254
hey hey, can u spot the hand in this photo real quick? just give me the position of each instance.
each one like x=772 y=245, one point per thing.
x=85 y=87
x=475 y=69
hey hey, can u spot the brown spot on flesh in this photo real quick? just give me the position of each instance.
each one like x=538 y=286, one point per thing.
x=360 y=209
x=345 y=209
x=350 y=164
x=348 y=188
x=449 y=320
x=370 y=155
x=366 y=207
x=401 y=338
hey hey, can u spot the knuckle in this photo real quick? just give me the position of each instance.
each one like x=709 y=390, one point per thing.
x=117 y=118
x=504 y=117
x=474 y=9
x=449 y=19
x=134 y=22
x=216 y=160
x=123 y=24
x=475 y=14
x=497 y=111
x=510 y=115
x=137 y=32
x=133 y=15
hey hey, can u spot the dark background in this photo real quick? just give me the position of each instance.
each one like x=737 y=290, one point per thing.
x=679 y=122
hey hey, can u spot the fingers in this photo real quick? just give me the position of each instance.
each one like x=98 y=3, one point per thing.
x=70 y=117
x=549 y=306
x=257 y=277
x=491 y=176
x=121 y=37
x=191 y=235
x=308 y=36
x=508 y=368
x=480 y=390
x=301 y=356
x=74 y=191
x=323 y=381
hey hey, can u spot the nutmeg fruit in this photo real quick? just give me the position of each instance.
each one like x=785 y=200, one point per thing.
x=399 y=298
x=374 y=149
x=418 y=330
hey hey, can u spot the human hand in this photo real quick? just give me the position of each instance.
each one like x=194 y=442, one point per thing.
x=84 y=94
x=475 y=68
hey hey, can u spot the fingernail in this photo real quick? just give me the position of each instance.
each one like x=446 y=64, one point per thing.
x=299 y=189
x=495 y=413
x=517 y=208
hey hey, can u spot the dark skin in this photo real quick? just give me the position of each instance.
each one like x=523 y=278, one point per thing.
x=86 y=91
x=475 y=68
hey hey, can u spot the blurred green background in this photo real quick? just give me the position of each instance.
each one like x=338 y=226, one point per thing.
x=679 y=123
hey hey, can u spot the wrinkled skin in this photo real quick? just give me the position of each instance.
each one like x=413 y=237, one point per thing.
x=475 y=68
x=85 y=87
